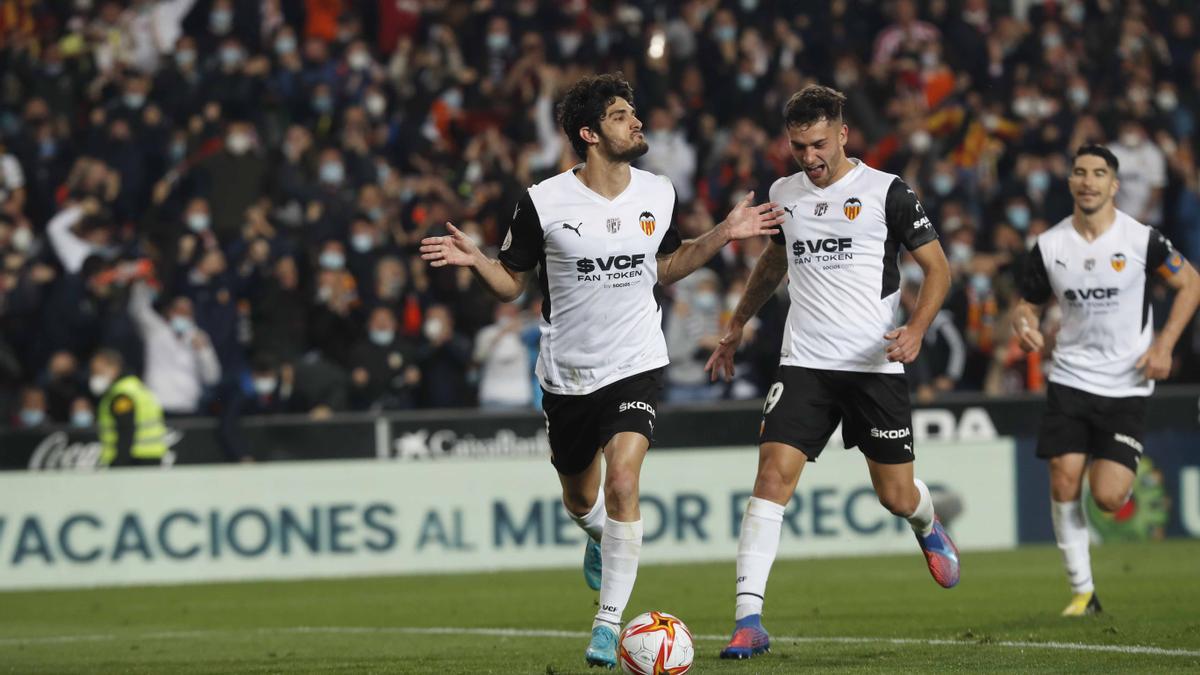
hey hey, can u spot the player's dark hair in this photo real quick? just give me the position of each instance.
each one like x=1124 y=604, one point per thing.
x=585 y=102
x=1100 y=151
x=813 y=104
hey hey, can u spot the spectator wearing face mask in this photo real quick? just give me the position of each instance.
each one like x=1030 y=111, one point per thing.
x=693 y=330
x=129 y=416
x=236 y=176
x=383 y=367
x=31 y=409
x=503 y=361
x=334 y=324
x=180 y=359
x=445 y=360
x=1143 y=173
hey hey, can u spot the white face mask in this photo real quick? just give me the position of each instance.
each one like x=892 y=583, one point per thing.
x=22 y=239
x=238 y=143
x=82 y=419
x=98 y=384
x=382 y=337
x=362 y=243
x=264 y=385
x=197 y=221
x=182 y=325
x=432 y=329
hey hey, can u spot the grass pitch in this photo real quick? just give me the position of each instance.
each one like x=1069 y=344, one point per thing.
x=879 y=614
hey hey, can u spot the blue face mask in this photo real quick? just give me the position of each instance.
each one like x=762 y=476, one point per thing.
x=981 y=284
x=1018 y=217
x=705 y=301
x=1038 y=181
x=323 y=104
x=220 y=21
x=382 y=337
x=943 y=184
x=332 y=260
x=182 y=325
x=332 y=173
x=497 y=41
x=32 y=418
x=82 y=419
x=725 y=33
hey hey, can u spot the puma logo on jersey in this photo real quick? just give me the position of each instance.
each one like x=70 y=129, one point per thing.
x=1060 y=263
x=575 y=229
x=789 y=210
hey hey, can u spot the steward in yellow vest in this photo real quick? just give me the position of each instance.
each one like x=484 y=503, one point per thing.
x=129 y=416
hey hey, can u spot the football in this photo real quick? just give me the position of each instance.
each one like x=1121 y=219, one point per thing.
x=654 y=643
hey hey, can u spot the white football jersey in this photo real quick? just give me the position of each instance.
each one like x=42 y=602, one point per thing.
x=843 y=278
x=597 y=260
x=1102 y=289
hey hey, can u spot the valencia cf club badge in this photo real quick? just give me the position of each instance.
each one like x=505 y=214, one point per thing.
x=852 y=208
x=614 y=224
x=1118 y=261
x=647 y=222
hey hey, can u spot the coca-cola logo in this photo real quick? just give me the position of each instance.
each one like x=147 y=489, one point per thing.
x=57 y=452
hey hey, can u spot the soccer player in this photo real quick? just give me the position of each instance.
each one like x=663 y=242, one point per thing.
x=601 y=236
x=842 y=358
x=1097 y=263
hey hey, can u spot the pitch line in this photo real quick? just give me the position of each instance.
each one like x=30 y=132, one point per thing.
x=536 y=633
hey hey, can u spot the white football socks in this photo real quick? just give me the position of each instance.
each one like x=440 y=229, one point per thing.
x=620 y=547
x=757 y=546
x=593 y=522
x=922 y=518
x=1071 y=533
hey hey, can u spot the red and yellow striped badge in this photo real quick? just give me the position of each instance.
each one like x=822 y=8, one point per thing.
x=852 y=208
x=647 y=222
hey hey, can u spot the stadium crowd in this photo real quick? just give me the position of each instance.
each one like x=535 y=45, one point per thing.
x=230 y=193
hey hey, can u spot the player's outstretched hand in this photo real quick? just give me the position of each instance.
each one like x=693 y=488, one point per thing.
x=720 y=364
x=749 y=220
x=1155 y=363
x=1029 y=337
x=906 y=344
x=453 y=249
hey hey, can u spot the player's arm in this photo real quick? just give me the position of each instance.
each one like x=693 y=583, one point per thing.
x=122 y=412
x=1181 y=276
x=744 y=221
x=907 y=223
x=506 y=276
x=764 y=279
x=1035 y=289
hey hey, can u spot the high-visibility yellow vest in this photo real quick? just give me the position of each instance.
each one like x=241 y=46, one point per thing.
x=149 y=437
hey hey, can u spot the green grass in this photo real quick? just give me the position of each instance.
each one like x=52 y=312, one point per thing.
x=1151 y=593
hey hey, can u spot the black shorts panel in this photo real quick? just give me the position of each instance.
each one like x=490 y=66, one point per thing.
x=579 y=426
x=804 y=407
x=1104 y=427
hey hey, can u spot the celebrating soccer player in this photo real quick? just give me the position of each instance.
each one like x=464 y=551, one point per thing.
x=1097 y=263
x=842 y=358
x=601 y=236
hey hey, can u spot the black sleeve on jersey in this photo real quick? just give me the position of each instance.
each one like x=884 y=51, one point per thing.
x=906 y=219
x=523 y=246
x=1035 y=282
x=778 y=238
x=670 y=241
x=1161 y=256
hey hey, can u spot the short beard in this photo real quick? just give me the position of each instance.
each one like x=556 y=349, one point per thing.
x=627 y=155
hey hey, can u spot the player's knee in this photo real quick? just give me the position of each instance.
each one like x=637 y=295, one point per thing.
x=772 y=485
x=1109 y=501
x=578 y=504
x=620 y=485
x=899 y=502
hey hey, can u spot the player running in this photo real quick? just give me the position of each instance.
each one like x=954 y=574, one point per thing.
x=601 y=237
x=842 y=359
x=1097 y=263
